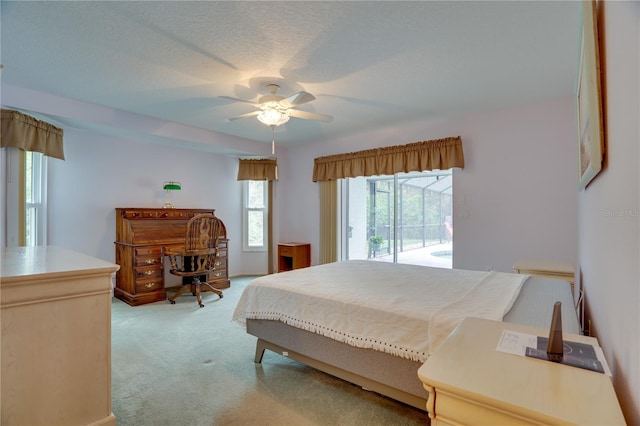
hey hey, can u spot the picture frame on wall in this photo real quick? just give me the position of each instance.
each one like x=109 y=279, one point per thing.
x=589 y=99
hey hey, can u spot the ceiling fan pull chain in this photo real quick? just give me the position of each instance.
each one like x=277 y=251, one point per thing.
x=273 y=140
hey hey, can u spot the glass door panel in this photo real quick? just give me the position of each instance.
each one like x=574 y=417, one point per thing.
x=406 y=218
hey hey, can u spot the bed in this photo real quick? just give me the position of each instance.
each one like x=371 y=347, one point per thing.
x=375 y=323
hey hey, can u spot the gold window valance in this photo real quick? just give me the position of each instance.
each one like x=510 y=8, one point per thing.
x=257 y=169
x=438 y=154
x=27 y=133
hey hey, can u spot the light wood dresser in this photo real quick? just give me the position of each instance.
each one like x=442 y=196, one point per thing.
x=56 y=337
x=471 y=383
x=142 y=235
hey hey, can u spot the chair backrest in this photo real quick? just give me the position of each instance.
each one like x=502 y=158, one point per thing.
x=203 y=231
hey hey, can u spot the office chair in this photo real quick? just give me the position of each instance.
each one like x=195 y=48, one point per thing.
x=198 y=258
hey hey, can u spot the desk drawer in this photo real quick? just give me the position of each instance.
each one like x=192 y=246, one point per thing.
x=148 y=260
x=175 y=214
x=140 y=214
x=147 y=285
x=148 y=272
x=221 y=263
x=217 y=274
x=148 y=251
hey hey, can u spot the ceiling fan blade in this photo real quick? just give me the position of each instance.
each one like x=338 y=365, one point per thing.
x=297 y=99
x=306 y=115
x=239 y=100
x=247 y=115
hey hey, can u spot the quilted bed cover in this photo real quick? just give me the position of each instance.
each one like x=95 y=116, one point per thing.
x=404 y=310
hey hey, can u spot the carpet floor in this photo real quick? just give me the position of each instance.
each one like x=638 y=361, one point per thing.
x=181 y=364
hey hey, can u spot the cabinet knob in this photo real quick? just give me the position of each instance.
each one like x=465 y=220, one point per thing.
x=149 y=285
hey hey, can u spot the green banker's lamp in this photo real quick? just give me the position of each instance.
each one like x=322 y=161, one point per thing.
x=169 y=187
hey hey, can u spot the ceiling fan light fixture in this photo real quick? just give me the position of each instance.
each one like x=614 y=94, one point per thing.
x=273 y=117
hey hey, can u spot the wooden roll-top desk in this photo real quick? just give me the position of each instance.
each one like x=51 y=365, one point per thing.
x=142 y=235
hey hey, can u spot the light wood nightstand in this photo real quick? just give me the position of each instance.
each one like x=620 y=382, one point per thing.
x=469 y=382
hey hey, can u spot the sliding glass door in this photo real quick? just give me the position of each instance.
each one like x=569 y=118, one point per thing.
x=404 y=218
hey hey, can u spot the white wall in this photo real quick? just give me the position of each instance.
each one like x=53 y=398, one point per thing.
x=102 y=172
x=609 y=210
x=516 y=196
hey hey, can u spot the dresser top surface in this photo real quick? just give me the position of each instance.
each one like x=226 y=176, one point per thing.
x=50 y=260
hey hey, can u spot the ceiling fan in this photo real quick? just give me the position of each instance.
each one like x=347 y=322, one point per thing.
x=276 y=110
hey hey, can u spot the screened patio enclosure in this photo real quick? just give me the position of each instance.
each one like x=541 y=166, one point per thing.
x=405 y=218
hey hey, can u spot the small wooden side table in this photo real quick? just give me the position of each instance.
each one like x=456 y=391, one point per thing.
x=293 y=256
x=470 y=382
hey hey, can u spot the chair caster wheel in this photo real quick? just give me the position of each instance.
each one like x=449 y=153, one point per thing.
x=173 y=302
x=221 y=296
x=201 y=305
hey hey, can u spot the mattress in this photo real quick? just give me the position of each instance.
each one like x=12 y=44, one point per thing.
x=405 y=310
x=534 y=305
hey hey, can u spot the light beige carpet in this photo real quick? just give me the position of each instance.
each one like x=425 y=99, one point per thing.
x=185 y=365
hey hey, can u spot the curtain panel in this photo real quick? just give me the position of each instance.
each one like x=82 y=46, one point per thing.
x=441 y=154
x=29 y=134
x=257 y=169
x=328 y=221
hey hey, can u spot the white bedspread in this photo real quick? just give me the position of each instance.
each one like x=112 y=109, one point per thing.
x=404 y=310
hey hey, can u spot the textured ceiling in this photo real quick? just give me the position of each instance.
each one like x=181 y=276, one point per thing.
x=369 y=64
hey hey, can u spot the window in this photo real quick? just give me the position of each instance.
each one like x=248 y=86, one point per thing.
x=35 y=199
x=403 y=218
x=26 y=198
x=255 y=215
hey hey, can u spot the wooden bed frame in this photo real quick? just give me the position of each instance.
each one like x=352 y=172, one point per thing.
x=377 y=371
